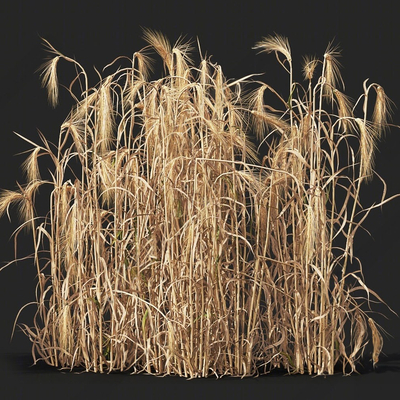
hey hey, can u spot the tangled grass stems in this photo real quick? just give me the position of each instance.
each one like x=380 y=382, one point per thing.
x=173 y=249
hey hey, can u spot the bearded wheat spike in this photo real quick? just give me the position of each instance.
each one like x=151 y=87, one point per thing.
x=50 y=80
x=8 y=197
x=345 y=109
x=30 y=165
x=162 y=46
x=367 y=147
x=276 y=44
x=144 y=65
x=309 y=66
x=382 y=110
x=332 y=70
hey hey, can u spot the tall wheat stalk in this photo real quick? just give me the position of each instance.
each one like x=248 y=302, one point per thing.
x=173 y=249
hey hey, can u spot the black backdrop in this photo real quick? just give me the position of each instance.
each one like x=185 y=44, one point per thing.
x=95 y=33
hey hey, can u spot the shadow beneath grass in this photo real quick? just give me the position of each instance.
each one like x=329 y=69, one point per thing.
x=387 y=363
x=23 y=363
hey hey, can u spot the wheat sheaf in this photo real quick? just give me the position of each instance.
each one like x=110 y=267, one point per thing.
x=173 y=245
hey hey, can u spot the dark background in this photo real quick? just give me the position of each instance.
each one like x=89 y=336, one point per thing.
x=94 y=33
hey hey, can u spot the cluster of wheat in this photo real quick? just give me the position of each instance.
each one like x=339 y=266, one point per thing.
x=172 y=247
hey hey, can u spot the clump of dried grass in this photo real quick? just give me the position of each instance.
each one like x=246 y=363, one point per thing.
x=173 y=250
